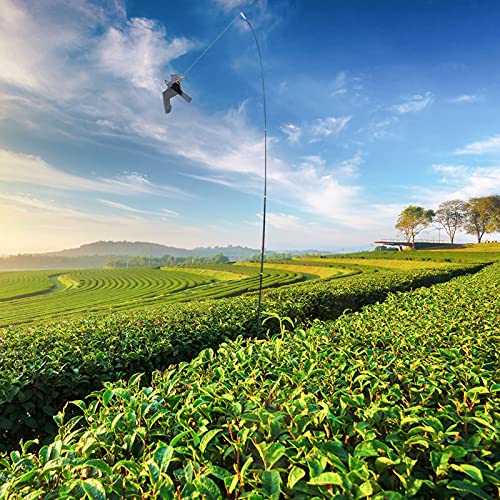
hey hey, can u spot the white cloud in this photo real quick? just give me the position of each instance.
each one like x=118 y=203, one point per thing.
x=350 y=167
x=464 y=98
x=315 y=130
x=118 y=97
x=448 y=171
x=41 y=41
x=324 y=127
x=47 y=226
x=315 y=160
x=283 y=221
x=138 y=51
x=26 y=200
x=338 y=92
x=228 y=5
x=292 y=131
x=283 y=87
x=163 y=212
x=335 y=201
x=324 y=191
x=222 y=181
x=344 y=83
x=459 y=182
x=81 y=48
x=415 y=103
x=490 y=145
x=379 y=129
x=17 y=168
x=340 y=84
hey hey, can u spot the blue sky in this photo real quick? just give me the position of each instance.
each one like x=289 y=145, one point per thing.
x=372 y=106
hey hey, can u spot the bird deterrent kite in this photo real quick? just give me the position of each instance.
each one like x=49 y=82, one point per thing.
x=173 y=89
x=174 y=86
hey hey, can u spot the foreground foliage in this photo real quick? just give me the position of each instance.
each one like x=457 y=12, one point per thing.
x=398 y=401
x=44 y=366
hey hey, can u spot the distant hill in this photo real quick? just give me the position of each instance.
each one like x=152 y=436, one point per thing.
x=119 y=248
x=93 y=255
x=144 y=249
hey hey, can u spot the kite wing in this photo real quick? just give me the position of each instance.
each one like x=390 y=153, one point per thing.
x=186 y=97
x=167 y=95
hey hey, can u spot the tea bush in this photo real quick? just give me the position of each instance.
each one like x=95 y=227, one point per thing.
x=44 y=366
x=16 y=284
x=400 y=400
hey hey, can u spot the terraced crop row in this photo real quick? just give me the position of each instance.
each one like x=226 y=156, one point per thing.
x=271 y=278
x=218 y=274
x=217 y=290
x=477 y=254
x=25 y=283
x=366 y=267
x=94 y=290
x=43 y=366
x=399 y=401
x=395 y=264
x=123 y=289
x=298 y=267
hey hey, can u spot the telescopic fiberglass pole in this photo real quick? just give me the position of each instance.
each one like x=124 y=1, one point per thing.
x=261 y=275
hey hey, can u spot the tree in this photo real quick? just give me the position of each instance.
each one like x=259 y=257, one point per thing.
x=220 y=258
x=383 y=248
x=412 y=220
x=451 y=215
x=482 y=216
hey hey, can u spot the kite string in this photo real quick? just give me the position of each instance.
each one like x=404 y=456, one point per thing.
x=210 y=46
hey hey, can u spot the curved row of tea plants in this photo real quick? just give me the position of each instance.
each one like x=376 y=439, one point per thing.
x=395 y=264
x=271 y=278
x=401 y=400
x=218 y=274
x=91 y=290
x=122 y=289
x=43 y=366
x=16 y=284
x=311 y=270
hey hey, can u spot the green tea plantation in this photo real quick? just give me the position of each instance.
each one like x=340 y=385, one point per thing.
x=372 y=378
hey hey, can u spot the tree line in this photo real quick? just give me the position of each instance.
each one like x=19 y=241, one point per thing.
x=477 y=217
x=165 y=260
x=170 y=260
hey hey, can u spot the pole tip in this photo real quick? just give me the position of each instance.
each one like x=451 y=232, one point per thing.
x=243 y=16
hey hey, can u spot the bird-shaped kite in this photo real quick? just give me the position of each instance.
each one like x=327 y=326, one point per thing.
x=173 y=89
